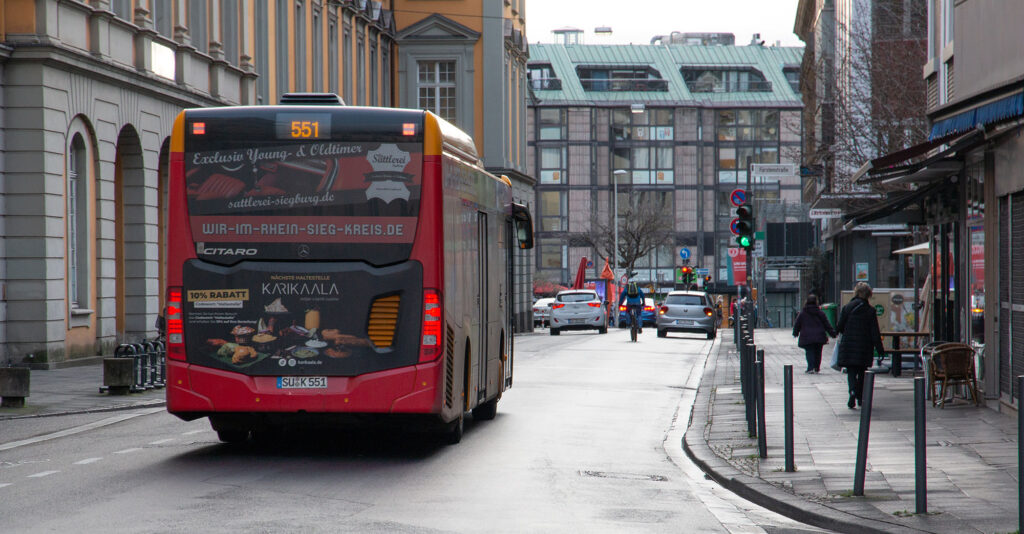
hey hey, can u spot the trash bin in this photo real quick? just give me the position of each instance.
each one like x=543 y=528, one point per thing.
x=830 y=312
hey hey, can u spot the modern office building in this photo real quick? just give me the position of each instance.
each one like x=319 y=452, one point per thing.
x=670 y=124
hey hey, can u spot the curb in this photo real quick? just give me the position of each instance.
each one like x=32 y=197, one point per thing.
x=760 y=492
x=141 y=404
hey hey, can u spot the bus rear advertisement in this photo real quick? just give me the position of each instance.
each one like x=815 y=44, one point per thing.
x=320 y=262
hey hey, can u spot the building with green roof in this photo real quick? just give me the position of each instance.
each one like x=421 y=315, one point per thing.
x=675 y=125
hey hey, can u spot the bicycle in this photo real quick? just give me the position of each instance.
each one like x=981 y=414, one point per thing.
x=634 y=319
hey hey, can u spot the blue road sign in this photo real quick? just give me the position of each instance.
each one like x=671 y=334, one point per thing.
x=702 y=271
x=684 y=253
x=732 y=226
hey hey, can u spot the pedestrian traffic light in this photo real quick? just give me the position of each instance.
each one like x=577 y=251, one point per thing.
x=745 y=226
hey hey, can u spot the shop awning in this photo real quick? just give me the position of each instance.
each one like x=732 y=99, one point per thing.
x=884 y=169
x=896 y=202
x=920 y=248
x=1003 y=108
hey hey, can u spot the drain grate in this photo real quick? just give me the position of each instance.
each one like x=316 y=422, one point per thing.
x=624 y=476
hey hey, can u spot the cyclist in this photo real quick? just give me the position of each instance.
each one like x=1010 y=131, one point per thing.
x=633 y=296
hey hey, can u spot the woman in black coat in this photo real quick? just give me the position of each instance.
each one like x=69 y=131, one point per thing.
x=859 y=326
x=812 y=325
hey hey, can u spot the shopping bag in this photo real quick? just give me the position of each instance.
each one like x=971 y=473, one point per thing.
x=835 y=354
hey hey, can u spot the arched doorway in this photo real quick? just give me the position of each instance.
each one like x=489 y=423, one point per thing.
x=131 y=233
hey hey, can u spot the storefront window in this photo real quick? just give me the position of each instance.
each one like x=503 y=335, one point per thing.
x=975 y=174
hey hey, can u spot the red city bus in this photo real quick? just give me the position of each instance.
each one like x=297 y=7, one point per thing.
x=327 y=261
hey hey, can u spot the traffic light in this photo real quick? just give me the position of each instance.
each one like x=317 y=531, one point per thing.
x=707 y=280
x=687 y=274
x=745 y=226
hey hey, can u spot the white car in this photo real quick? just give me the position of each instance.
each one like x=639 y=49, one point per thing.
x=578 y=309
x=542 y=312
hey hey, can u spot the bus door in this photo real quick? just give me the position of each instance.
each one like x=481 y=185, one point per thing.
x=483 y=295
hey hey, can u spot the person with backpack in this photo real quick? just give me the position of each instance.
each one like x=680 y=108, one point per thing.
x=633 y=296
x=811 y=326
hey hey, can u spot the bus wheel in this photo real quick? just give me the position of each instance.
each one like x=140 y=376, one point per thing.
x=453 y=432
x=486 y=411
x=233 y=435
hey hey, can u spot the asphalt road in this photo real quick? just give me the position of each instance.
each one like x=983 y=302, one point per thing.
x=587 y=440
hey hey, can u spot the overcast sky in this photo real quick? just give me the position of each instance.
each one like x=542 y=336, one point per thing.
x=636 y=21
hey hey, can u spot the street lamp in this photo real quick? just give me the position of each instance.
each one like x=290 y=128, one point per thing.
x=615 y=221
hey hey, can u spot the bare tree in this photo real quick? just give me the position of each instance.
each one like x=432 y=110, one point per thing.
x=645 y=223
x=865 y=97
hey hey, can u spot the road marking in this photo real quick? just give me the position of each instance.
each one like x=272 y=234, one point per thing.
x=126 y=451
x=160 y=441
x=87 y=461
x=4 y=485
x=190 y=432
x=79 y=429
x=42 y=474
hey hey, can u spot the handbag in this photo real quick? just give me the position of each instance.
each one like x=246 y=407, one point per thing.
x=835 y=354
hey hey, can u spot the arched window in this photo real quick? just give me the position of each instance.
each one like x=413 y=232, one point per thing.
x=78 y=224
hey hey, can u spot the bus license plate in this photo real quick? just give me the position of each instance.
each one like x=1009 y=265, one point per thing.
x=301 y=382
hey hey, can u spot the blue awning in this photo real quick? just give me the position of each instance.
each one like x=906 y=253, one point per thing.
x=1002 y=109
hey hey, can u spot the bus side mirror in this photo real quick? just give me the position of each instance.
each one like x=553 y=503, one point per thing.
x=523 y=225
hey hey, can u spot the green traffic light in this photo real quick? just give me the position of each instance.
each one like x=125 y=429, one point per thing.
x=744 y=241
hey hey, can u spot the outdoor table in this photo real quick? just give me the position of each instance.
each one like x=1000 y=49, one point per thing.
x=896 y=352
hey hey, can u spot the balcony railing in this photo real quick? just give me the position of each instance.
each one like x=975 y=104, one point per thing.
x=546 y=84
x=624 y=84
x=730 y=87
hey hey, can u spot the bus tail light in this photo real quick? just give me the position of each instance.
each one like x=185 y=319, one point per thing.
x=175 y=325
x=430 y=347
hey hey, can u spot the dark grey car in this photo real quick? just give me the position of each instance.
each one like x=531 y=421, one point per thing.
x=687 y=311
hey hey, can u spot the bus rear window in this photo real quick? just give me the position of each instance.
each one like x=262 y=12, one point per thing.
x=314 y=200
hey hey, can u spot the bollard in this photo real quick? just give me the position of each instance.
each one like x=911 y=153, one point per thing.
x=862 y=438
x=751 y=398
x=920 y=476
x=149 y=365
x=161 y=364
x=14 y=386
x=1020 y=455
x=137 y=380
x=787 y=385
x=762 y=435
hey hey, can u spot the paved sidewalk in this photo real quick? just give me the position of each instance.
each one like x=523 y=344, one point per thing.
x=75 y=390
x=971 y=455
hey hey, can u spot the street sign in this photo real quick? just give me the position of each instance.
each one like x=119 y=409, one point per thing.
x=774 y=170
x=733 y=252
x=759 y=249
x=738 y=197
x=733 y=227
x=826 y=213
x=684 y=253
x=701 y=271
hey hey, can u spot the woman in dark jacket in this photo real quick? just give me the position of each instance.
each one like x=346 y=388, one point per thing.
x=812 y=325
x=859 y=326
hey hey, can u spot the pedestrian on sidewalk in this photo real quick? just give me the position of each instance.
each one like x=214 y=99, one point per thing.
x=813 y=330
x=861 y=338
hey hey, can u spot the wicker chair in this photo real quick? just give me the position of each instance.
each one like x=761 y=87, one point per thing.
x=952 y=364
